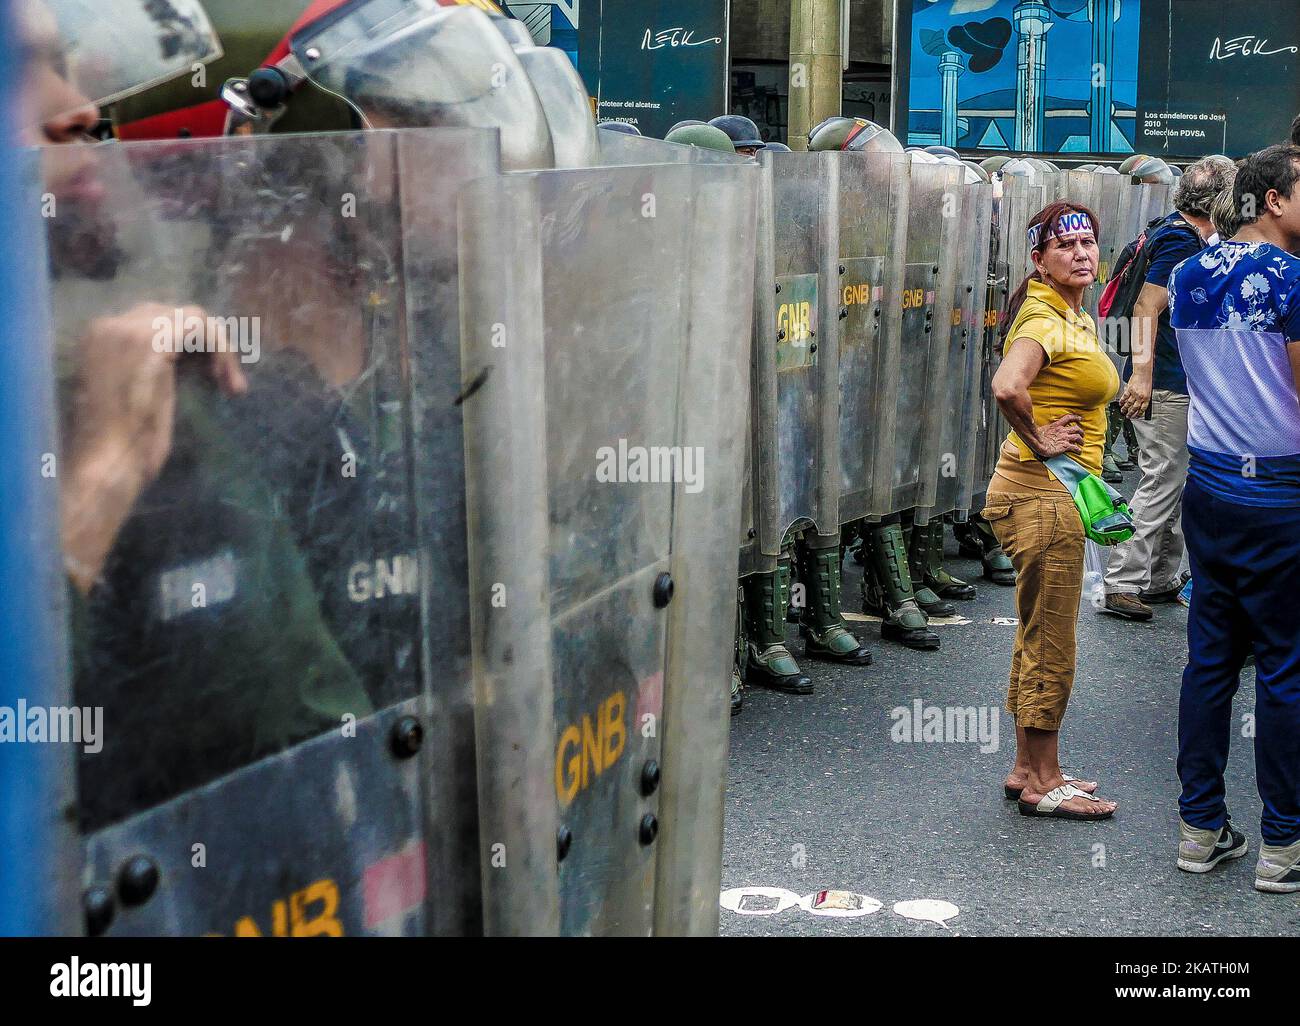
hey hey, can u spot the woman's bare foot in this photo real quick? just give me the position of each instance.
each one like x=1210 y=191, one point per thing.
x=1018 y=778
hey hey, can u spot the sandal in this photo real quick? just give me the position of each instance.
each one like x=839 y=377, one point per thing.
x=1014 y=792
x=1050 y=805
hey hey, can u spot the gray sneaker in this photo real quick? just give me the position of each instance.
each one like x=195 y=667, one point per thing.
x=1277 y=869
x=1199 y=851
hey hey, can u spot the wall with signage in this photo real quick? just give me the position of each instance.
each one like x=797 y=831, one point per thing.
x=651 y=63
x=1174 y=78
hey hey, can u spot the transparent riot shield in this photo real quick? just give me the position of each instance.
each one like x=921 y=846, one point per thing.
x=605 y=319
x=924 y=300
x=797 y=325
x=250 y=589
x=1131 y=208
x=1111 y=238
x=872 y=224
x=997 y=293
x=961 y=383
x=1021 y=200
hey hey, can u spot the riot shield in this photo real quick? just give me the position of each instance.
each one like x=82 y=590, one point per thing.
x=924 y=301
x=872 y=224
x=249 y=599
x=1131 y=208
x=797 y=324
x=1021 y=200
x=960 y=399
x=1111 y=235
x=997 y=293
x=620 y=383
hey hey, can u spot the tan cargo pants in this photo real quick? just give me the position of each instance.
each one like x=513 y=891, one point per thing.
x=1042 y=535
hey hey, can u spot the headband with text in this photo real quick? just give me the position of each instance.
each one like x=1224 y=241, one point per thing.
x=1076 y=222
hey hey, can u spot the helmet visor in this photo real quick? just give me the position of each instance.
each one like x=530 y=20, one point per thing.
x=109 y=49
x=416 y=64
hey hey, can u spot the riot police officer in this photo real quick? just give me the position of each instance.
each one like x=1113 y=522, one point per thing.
x=742 y=132
x=889 y=589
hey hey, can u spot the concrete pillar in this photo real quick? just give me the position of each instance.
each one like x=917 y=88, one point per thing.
x=816 y=81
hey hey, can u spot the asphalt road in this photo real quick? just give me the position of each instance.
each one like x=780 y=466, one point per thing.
x=820 y=796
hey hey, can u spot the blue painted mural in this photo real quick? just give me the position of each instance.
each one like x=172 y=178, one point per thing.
x=1045 y=76
x=552 y=23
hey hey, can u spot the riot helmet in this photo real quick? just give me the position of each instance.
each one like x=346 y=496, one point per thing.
x=705 y=136
x=853 y=134
x=1151 y=170
x=742 y=132
x=683 y=124
x=1023 y=168
x=622 y=127
x=347 y=64
x=777 y=147
x=993 y=165
x=114 y=49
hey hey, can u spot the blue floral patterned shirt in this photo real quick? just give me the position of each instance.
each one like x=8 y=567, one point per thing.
x=1235 y=307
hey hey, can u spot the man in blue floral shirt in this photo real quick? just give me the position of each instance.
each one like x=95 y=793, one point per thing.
x=1236 y=310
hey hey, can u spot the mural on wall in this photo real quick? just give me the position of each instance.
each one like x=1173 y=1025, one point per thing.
x=1044 y=76
x=553 y=23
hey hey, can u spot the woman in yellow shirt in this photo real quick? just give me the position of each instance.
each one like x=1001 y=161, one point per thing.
x=1053 y=386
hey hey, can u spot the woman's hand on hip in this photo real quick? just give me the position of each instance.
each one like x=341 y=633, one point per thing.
x=1064 y=435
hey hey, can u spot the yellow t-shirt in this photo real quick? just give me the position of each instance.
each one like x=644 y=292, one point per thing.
x=1078 y=376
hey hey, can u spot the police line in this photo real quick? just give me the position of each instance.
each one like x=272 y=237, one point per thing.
x=379 y=646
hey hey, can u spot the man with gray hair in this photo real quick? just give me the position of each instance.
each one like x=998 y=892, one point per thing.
x=1145 y=569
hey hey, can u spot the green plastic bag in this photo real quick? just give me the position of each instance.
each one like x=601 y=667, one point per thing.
x=1105 y=514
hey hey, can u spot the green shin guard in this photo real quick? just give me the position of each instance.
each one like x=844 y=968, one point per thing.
x=887 y=588
x=940 y=581
x=770 y=663
x=821 y=626
x=918 y=543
